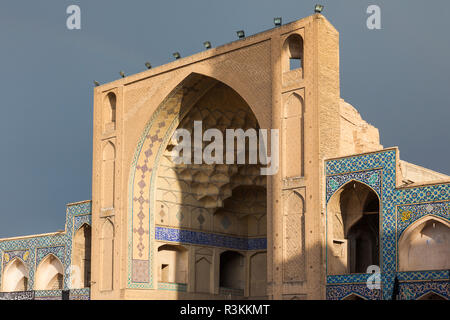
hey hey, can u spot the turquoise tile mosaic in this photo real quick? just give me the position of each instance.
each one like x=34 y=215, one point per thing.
x=33 y=249
x=400 y=208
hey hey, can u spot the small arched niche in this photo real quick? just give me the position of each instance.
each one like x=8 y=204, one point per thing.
x=108 y=179
x=292 y=53
x=107 y=256
x=293 y=136
x=173 y=264
x=425 y=245
x=232 y=272
x=49 y=274
x=109 y=112
x=353 y=229
x=15 y=276
x=81 y=258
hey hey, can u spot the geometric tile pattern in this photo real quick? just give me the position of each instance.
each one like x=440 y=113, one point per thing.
x=180 y=287
x=58 y=251
x=140 y=271
x=338 y=292
x=348 y=278
x=408 y=214
x=415 y=290
x=405 y=276
x=21 y=254
x=33 y=249
x=80 y=220
x=400 y=207
x=80 y=294
x=47 y=294
x=371 y=178
x=209 y=239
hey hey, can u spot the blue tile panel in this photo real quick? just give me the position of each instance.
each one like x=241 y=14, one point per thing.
x=32 y=250
x=400 y=208
x=339 y=292
x=168 y=286
x=415 y=290
x=209 y=239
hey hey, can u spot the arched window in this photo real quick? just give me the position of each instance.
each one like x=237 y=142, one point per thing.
x=173 y=264
x=293 y=53
x=49 y=274
x=425 y=245
x=15 y=276
x=353 y=224
x=109 y=112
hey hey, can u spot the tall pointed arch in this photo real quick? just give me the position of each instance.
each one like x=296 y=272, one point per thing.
x=15 y=276
x=49 y=274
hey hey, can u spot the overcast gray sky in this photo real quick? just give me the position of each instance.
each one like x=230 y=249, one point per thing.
x=398 y=78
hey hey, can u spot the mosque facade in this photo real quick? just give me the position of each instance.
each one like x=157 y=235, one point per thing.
x=341 y=217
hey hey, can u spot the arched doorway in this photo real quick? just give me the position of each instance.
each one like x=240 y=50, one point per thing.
x=15 y=276
x=353 y=215
x=49 y=274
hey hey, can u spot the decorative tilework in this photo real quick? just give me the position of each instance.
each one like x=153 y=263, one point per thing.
x=348 y=278
x=58 y=252
x=80 y=294
x=48 y=294
x=408 y=214
x=140 y=271
x=33 y=249
x=400 y=207
x=209 y=239
x=339 y=292
x=423 y=275
x=180 y=287
x=81 y=219
x=415 y=290
x=371 y=178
